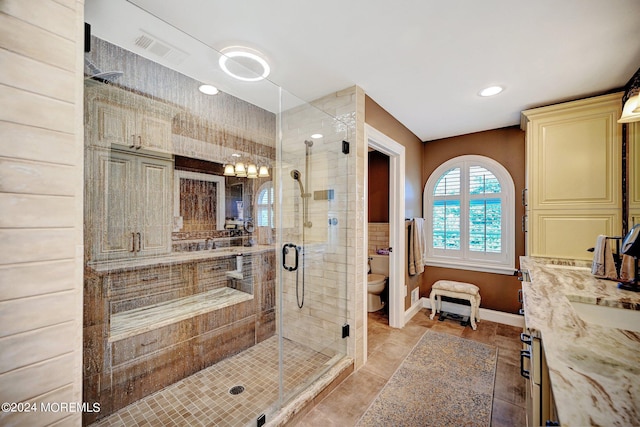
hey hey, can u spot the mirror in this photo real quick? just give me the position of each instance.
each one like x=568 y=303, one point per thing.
x=199 y=201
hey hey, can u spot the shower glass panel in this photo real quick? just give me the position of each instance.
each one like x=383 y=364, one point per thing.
x=313 y=213
x=209 y=295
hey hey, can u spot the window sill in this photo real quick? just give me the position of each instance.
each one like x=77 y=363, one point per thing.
x=461 y=265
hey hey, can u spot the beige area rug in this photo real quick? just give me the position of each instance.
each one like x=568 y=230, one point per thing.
x=444 y=381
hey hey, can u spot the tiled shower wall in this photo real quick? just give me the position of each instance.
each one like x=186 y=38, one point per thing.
x=41 y=208
x=342 y=273
x=378 y=236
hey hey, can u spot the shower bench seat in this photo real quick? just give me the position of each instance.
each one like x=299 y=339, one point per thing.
x=130 y=323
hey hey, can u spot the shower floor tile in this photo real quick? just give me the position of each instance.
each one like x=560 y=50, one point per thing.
x=204 y=398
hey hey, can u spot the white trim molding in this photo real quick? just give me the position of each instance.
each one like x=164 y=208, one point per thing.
x=397 y=259
x=485 y=313
x=197 y=176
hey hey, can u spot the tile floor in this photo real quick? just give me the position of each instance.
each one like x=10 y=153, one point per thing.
x=204 y=398
x=387 y=348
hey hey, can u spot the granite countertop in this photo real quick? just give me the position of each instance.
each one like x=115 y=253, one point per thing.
x=594 y=370
x=174 y=258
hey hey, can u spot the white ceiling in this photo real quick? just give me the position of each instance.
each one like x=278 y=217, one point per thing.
x=424 y=61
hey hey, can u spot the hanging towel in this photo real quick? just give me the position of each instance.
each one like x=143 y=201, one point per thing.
x=627 y=272
x=603 y=265
x=417 y=247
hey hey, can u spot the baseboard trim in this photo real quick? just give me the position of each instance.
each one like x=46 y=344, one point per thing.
x=413 y=310
x=485 y=313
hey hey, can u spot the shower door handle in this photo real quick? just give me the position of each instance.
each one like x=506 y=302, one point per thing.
x=285 y=251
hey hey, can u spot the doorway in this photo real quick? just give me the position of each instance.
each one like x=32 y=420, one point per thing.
x=380 y=142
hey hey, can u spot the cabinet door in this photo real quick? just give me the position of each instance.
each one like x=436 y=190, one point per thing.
x=115 y=125
x=633 y=161
x=154 y=205
x=568 y=234
x=575 y=156
x=155 y=133
x=113 y=206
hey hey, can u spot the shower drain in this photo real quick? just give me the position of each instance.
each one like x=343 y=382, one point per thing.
x=236 y=389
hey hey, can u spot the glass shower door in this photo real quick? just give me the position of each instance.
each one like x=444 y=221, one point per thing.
x=312 y=218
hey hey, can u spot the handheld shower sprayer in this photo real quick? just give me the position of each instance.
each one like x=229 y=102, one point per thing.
x=295 y=174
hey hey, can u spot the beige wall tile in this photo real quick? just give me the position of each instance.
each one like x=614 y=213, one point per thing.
x=35 y=211
x=26 y=142
x=37 y=278
x=31 y=245
x=17 y=176
x=36 y=110
x=36 y=345
x=26 y=314
x=41 y=350
x=39 y=378
x=48 y=15
x=34 y=76
x=34 y=42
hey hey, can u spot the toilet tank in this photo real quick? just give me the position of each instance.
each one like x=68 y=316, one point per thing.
x=380 y=264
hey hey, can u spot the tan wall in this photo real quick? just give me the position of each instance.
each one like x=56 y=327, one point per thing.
x=378 y=187
x=506 y=146
x=41 y=207
x=381 y=120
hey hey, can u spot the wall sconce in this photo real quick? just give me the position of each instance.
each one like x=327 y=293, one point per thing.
x=631 y=100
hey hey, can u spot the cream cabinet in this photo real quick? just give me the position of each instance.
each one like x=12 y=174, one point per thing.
x=573 y=177
x=128 y=209
x=633 y=161
x=116 y=116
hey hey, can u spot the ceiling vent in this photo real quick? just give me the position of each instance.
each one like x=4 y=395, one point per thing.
x=160 y=48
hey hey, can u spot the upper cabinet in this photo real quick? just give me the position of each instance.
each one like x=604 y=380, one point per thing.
x=128 y=211
x=573 y=193
x=115 y=116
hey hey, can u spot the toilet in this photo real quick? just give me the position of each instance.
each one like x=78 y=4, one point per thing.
x=376 y=281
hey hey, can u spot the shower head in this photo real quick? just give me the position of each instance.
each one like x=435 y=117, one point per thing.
x=308 y=143
x=104 y=77
x=295 y=174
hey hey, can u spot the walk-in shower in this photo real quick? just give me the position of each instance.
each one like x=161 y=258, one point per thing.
x=190 y=292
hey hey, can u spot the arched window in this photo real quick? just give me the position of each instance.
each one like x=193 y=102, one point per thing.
x=469 y=215
x=264 y=205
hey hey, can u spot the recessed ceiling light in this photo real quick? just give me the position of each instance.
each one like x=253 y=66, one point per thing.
x=490 y=91
x=316 y=135
x=246 y=66
x=208 y=89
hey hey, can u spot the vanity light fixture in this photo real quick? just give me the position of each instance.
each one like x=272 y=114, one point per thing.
x=491 y=90
x=208 y=89
x=244 y=59
x=631 y=100
x=240 y=170
x=252 y=171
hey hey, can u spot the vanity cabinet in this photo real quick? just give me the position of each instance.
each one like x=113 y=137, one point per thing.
x=129 y=201
x=116 y=116
x=573 y=176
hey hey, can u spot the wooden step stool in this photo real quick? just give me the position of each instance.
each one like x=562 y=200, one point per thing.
x=459 y=290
